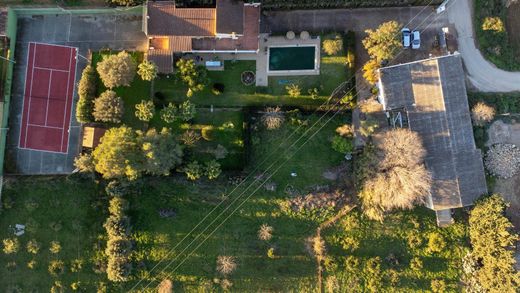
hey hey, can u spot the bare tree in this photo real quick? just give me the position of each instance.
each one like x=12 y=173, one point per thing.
x=273 y=118
x=265 y=232
x=395 y=176
x=226 y=264
x=482 y=114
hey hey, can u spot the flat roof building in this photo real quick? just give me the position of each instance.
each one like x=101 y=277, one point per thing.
x=429 y=97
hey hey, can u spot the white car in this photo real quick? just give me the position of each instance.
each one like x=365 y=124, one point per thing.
x=407 y=37
x=416 y=39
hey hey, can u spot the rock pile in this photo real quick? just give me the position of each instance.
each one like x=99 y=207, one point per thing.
x=503 y=160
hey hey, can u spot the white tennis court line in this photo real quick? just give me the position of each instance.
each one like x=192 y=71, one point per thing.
x=50 y=69
x=44 y=126
x=48 y=98
x=30 y=95
x=24 y=92
x=35 y=46
x=66 y=102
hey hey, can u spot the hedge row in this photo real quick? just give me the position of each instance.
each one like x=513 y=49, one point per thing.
x=87 y=94
x=119 y=245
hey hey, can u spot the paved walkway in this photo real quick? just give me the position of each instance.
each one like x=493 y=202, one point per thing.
x=482 y=74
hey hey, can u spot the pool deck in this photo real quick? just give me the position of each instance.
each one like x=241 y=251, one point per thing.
x=262 y=60
x=262 y=57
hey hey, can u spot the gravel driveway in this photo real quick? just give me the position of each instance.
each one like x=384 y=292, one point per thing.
x=483 y=75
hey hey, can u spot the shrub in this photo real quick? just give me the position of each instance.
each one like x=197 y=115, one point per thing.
x=56 y=267
x=76 y=286
x=265 y=232
x=187 y=111
x=314 y=93
x=147 y=70
x=190 y=137
x=117 y=226
x=273 y=118
x=482 y=114
x=86 y=93
x=76 y=265
x=55 y=247
x=226 y=264
x=32 y=264
x=118 y=269
x=436 y=242
x=118 y=247
x=438 y=286
x=33 y=246
x=342 y=145
x=11 y=245
x=349 y=100
x=117 y=70
x=193 y=170
x=166 y=286
x=494 y=24
x=11 y=266
x=270 y=253
x=332 y=47
x=145 y=110
x=416 y=264
x=293 y=90
x=218 y=89
x=212 y=169
x=84 y=163
x=108 y=107
x=370 y=71
x=118 y=206
x=57 y=287
x=345 y=130
x=169 y=113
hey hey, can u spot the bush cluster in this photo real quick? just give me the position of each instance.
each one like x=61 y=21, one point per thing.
x=86 y=93
x=194 y=170
x=119 y=245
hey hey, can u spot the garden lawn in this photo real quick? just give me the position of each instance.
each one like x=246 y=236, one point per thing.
x=53 y=209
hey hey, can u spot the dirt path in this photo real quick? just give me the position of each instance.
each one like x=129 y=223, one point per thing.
x=482 y=74
x=320 y=257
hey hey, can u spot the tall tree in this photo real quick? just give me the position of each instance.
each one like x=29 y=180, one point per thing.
x=382 y=43
x=117 y=70
x=108 y=107
x=393 y=174
x=145 y=110
x=195 y=77
x=119 y=154
x=147 y=70
x=161 y=151
x=493 y=241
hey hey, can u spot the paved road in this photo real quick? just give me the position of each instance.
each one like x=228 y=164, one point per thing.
x=483 y=75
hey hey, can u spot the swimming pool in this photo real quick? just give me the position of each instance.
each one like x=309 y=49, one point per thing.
x=292 y=58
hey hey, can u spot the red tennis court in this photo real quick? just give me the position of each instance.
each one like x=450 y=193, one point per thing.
x=47 y=104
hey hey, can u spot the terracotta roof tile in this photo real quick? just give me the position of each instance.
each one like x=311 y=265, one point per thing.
x=165 y=19
x=162 y=58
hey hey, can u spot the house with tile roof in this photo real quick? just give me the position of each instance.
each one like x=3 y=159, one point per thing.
x=429 y=97
x=231 y=27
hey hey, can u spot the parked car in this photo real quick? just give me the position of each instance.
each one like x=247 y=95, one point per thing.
x=416 y=39
x=407 y=37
